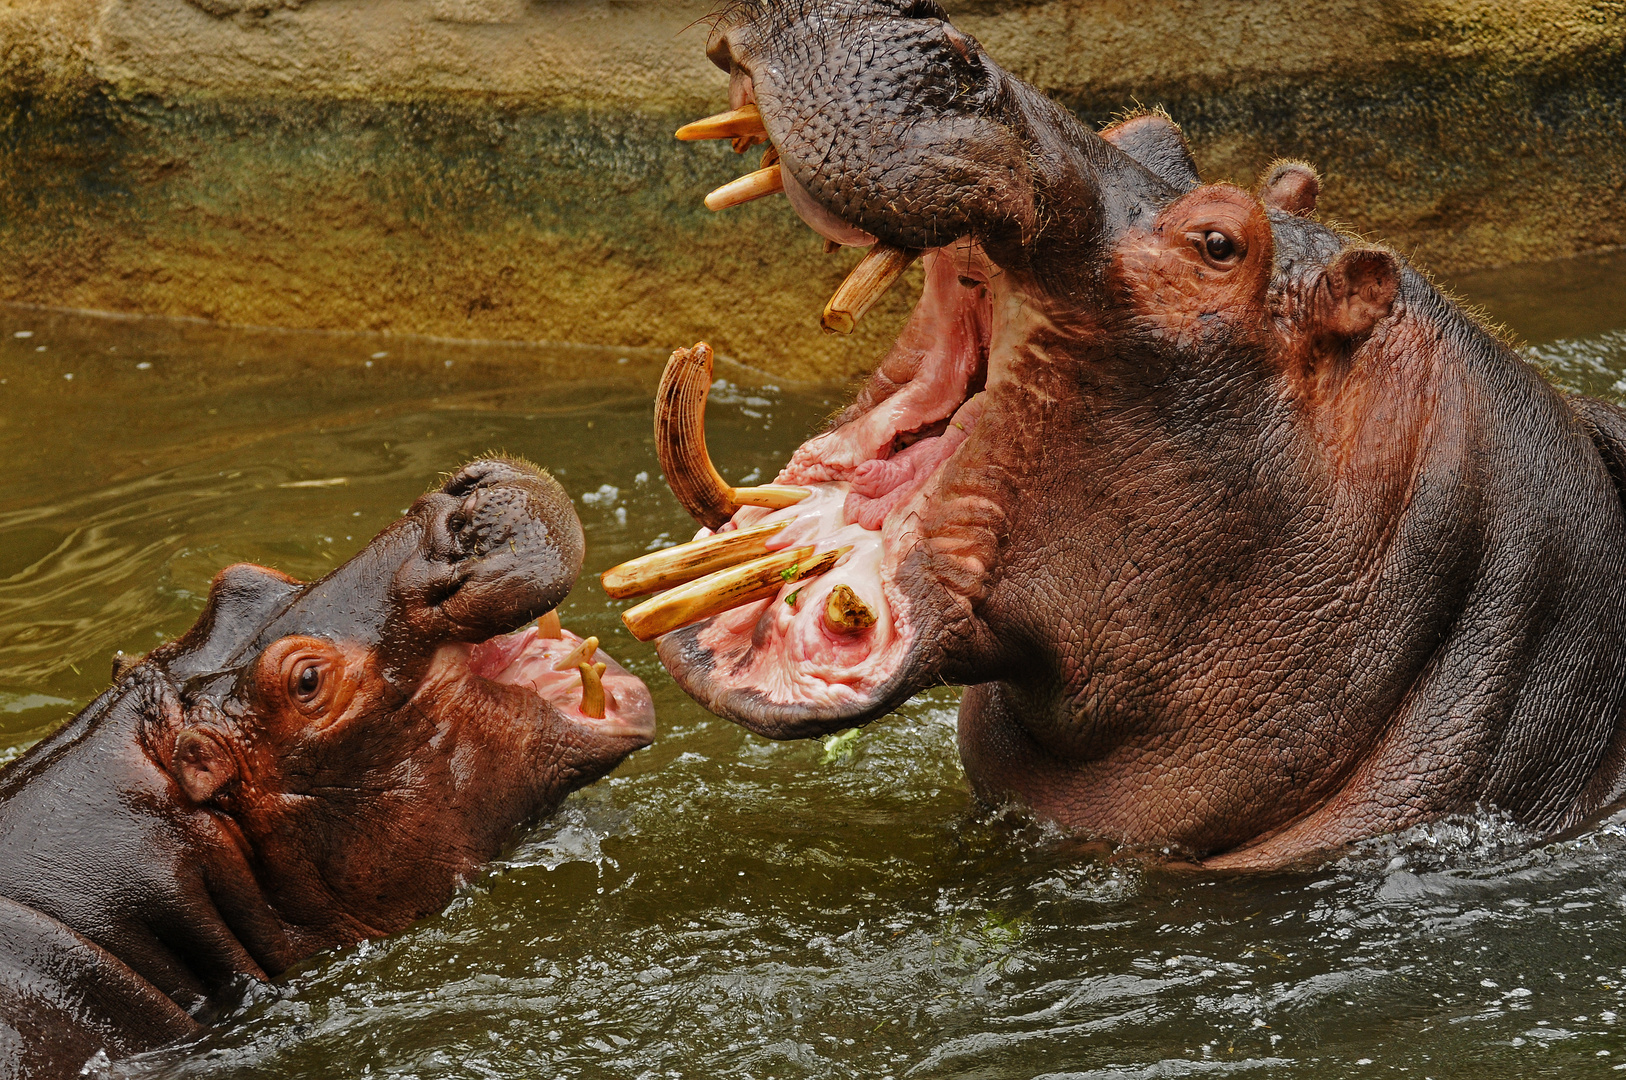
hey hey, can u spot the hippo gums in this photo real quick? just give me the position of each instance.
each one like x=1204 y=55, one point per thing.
x=1246 y=541
x=309 y=766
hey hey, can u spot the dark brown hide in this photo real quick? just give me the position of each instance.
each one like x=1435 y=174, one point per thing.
x=310 y=765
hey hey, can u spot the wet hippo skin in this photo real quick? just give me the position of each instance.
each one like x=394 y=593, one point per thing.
x=1246 y=540
x=309 y=766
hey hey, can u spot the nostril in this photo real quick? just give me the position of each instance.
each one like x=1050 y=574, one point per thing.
x=479 y=474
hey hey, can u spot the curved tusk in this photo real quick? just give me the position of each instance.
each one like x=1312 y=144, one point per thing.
x=680 y=443
x=744 y=121
x=757 y=185
x=875 y=273
x=585 y=649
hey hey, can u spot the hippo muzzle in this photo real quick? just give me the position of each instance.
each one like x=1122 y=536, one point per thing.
x=1247 y=541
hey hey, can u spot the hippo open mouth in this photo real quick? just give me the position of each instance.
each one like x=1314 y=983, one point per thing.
x=839 y=632
x=583 y=684
x=886 y=127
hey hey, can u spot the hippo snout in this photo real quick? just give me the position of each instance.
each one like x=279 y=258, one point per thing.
x=501 y=545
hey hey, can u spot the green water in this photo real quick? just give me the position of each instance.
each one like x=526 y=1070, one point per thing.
x=724 y=906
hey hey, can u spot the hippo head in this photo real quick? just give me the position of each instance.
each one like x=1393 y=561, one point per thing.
x=372 y=737
x=1099 y=337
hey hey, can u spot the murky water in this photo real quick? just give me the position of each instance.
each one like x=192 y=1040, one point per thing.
x=723 y=906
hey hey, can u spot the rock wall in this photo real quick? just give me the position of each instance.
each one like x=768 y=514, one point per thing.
x=505 y=168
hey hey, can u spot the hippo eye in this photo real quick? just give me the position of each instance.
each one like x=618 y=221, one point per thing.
x=1218 y=246
x=307 y=682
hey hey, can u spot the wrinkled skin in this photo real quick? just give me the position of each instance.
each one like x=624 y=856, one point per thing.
x=1246 y=541
x=309 y=766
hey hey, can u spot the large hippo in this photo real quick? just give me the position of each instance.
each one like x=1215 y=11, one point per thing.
x=310 y=765
x=1246 y=540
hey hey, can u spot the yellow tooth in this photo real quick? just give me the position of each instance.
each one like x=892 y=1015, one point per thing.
x=742 y=143
x=757 y=185
x=583 y=651
x=845 y=613
x=744 y=121
x=716 y=593
x=680 y=444
x=875 y=273
x=592 y=690
x=548 y=626
x=675 y=565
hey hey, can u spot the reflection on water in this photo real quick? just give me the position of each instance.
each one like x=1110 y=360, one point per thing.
x=723 y=905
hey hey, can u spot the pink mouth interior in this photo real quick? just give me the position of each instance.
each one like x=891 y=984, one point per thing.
x=872 y=477
x=527 y=659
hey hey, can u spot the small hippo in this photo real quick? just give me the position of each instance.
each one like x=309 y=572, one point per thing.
x=1247 y=541
x=309 y=766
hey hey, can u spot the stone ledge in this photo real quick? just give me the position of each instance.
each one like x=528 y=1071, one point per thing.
x=504 y=168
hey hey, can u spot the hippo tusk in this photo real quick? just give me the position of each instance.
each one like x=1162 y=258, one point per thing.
x=875 y=273
x=716 y=593
x=751 y=186
x=677 y=565
x=680 y=443
x=742 y=122
x=548 y=626
x=592 y=690
x=585 y=650
x=845 y=613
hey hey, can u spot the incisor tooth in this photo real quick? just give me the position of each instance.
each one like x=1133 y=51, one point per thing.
x=680 y=443
x=716 y=593
x=744 y=121
x=675 y=565
x=845 y=613
x=583 y=651
x=751 y=186
x=548 y=626
x=592 y=690
x=875 y=273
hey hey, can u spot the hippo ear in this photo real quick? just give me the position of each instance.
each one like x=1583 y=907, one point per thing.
x=1361 y=285
x=202 y=764
x=1291 y=187
x=1155 y=141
